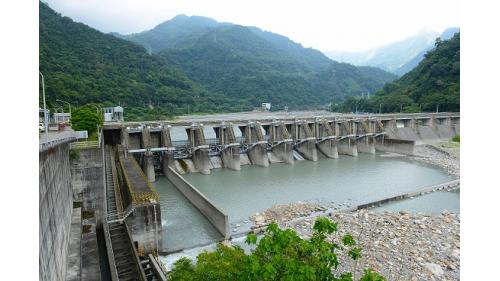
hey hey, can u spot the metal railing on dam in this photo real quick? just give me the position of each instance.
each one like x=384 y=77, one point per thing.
x=155 y=143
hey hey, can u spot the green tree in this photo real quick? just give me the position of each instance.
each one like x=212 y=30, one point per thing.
x=279 y=255
x=86 y=118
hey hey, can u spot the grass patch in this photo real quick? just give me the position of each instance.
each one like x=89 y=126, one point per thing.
x=87 y=214
x=74 y=155
x=456 y=138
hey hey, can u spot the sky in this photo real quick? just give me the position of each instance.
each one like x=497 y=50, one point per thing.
x=328 y=25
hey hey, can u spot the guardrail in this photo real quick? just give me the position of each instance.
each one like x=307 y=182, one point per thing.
x=84 y=145
x=52 y=143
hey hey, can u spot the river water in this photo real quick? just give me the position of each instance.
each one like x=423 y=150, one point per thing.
x=241 y=194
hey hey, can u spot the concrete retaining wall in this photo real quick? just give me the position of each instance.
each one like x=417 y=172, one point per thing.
x=218 y=219
x=55 y=211
x=396 y=146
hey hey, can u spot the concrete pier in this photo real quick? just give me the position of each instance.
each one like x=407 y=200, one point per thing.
x=147 y=159
x=329 y=148
x=196 y=139
x=257 y=146
x=281 y=142
x=348 y=146
x=168 y=158
x=230 y=153
x=305 y=139
x=366 y=144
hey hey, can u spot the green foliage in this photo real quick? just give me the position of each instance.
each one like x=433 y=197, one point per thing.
x=456 y=138
x=371 y=275
x=434 y=83
x=279 y=255
x=254 y=66
x=74 y=154
x=230 y=68
x=86 y=118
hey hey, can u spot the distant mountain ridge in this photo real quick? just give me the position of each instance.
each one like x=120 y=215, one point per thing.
x=399 y=57
x=445 y=35
x=255 y=65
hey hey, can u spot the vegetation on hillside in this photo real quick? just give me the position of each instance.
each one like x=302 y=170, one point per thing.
x=83 y=65
x=279 y=255
x=236 y=61
x=433 y=85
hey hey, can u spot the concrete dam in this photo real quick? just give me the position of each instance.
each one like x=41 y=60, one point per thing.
x=262 y=142
x=116 y=221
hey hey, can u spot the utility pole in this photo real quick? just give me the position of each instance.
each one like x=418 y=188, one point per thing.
x=69 y=104
x=380 y=108
x=437 y=108
x=45 y=117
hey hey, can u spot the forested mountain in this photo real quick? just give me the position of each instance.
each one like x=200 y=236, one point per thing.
x=200 y=69
x=170 y=33
x=434 y=83
x=82 y=65
x=257 y=66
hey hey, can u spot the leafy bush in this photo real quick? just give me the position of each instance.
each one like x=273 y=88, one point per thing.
x=86 y=118
x=279 y=255
x=456 y=138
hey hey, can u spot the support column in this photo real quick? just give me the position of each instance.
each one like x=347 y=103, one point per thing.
x=347 y=146
x=230 y=153
x=199 y=148
x=125 y=140
x=148 y=161
x=257 y=148
x=307 y=142
x=366 y=144
x=168 y=159
x=329 y=148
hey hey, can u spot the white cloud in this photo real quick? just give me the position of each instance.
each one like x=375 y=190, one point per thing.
x=349 y=25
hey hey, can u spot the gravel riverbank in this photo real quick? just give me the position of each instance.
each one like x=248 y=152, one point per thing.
x=401 y=246
x=442 y=155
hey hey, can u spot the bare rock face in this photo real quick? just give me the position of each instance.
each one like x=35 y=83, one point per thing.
x=435 y=269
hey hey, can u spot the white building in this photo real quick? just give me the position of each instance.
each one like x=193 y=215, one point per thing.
x=113 y=114
x=266 y=106
x=61 y=117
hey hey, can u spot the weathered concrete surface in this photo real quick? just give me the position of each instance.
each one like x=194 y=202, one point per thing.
x=347 y=146
x=74 y=254
x=91 y=270
x=308 y=150
x=231 y=158
x=258 y=155
x=328 y=148
x=396 y=146
x=218 y=219
x=55 y=211
x=149 y=167
x=87 y=176
x=145 y=226
x=201 y=161
x=366 y=145
x=284 y=152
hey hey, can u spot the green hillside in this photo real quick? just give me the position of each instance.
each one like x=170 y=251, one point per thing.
x=433 y=84
x=82 y=65
x=257 y=66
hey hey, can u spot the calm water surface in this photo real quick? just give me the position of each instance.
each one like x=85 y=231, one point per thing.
x=241 y=194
